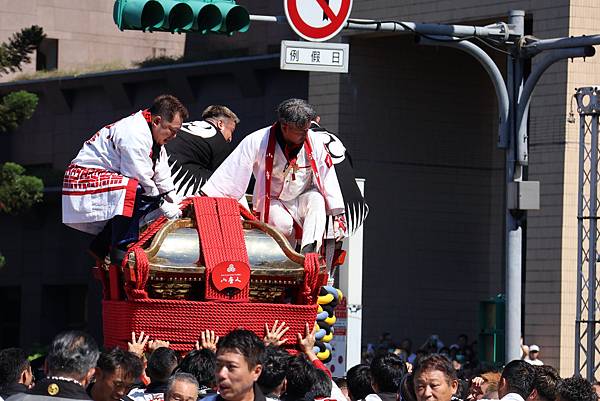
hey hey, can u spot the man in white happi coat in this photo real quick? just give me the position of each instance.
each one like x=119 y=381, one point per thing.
x=296 y=185
x=120 y=174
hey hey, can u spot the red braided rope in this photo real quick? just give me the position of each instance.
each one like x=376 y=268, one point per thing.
x=246 y=213
x=222 y=239
x=311 y=273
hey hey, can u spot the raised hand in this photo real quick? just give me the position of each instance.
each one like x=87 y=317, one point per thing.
x=273 y=335
x=137 y=345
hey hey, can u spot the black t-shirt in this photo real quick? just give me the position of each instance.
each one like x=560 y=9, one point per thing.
x=194 y=154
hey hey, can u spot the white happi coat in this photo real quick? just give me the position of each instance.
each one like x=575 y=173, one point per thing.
x=102 y=180
x=232 y=177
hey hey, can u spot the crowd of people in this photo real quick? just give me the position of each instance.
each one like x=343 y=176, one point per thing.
x=243 y=367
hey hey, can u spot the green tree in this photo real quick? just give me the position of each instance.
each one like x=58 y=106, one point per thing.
x=15 y=108
x=18 y=191
x=19 y=47
x=18 y=106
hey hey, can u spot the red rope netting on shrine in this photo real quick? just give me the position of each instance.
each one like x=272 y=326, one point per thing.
x=180 y=321
x=221 y=237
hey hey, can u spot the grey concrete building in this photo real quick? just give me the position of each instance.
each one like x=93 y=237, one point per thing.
x=80 y=34
x=421 y=125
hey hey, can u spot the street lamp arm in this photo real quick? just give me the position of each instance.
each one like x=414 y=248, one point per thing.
x=539 y=45
x=495 y=75
x=499 y=31
x=525 y=97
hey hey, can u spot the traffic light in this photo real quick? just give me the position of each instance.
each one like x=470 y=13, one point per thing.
x=202 y=16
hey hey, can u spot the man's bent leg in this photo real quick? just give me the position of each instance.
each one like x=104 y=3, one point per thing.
x=281 y=219
x=100 y=245
x=311 y=210
x=126 y=230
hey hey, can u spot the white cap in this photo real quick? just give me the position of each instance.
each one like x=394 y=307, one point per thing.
x=534 y=348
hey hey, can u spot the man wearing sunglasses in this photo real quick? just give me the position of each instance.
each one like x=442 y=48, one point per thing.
x=120 y=174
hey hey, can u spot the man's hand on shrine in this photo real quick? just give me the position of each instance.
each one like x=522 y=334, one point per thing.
x=340 y=228
x=153 y=345
x=170 y=210
x=273 y=335
x=138 y=344
x=307 y=342
x=208 y=340
x=173 y=197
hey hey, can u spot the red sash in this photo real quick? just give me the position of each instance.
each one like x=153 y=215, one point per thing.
x=269 y=159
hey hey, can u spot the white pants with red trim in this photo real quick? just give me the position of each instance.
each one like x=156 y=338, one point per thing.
x=308 y=210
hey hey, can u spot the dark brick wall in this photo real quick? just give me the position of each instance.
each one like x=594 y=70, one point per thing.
x=421 y=125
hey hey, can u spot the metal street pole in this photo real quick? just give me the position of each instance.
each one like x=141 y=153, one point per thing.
x=513 y=232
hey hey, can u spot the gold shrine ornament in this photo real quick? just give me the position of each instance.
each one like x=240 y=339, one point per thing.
x=53 y=389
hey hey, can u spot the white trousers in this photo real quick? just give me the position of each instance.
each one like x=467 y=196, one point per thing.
x=308 y=210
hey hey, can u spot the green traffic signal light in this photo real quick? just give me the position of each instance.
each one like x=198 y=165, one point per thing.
x=138 y=14
x=179 y=16
x=234 y=18
x=219 y=16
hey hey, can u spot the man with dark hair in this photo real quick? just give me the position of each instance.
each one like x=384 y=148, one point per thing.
x=296 y=184
x=435 y=378
x=545 y=383
x=406 y=390
x=342 y=384
x=15 y=372
x=202 y=365
x=387 y=370
x=200 y=147
x=116 y=373
x=272 y=378
x=576 y=389
x=321 y=389
x=70 y=366
x=161 y=364
x=516 y=382
x=239 y=364
x=300 y=378
x=182 y=387
x=120 y=174
x=359 y=382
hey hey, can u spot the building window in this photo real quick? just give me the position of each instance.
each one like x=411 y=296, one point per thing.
x=10 y=321
x=47 y=55
x=64 y=308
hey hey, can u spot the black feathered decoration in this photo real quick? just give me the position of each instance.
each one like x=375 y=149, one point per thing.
x=354 y=202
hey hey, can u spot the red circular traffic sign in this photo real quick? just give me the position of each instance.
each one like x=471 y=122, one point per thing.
x=317 y=20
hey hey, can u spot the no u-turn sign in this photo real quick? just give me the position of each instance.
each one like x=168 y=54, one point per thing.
x=317 y=20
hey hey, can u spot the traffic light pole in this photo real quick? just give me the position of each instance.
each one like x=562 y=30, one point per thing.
x=514 y=97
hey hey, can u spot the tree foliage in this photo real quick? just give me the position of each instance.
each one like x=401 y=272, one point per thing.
x=18 y=106
x=15 y=108
x=18 y=191
x=19 y=47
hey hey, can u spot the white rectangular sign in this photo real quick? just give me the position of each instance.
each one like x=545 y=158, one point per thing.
x=311 y=56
